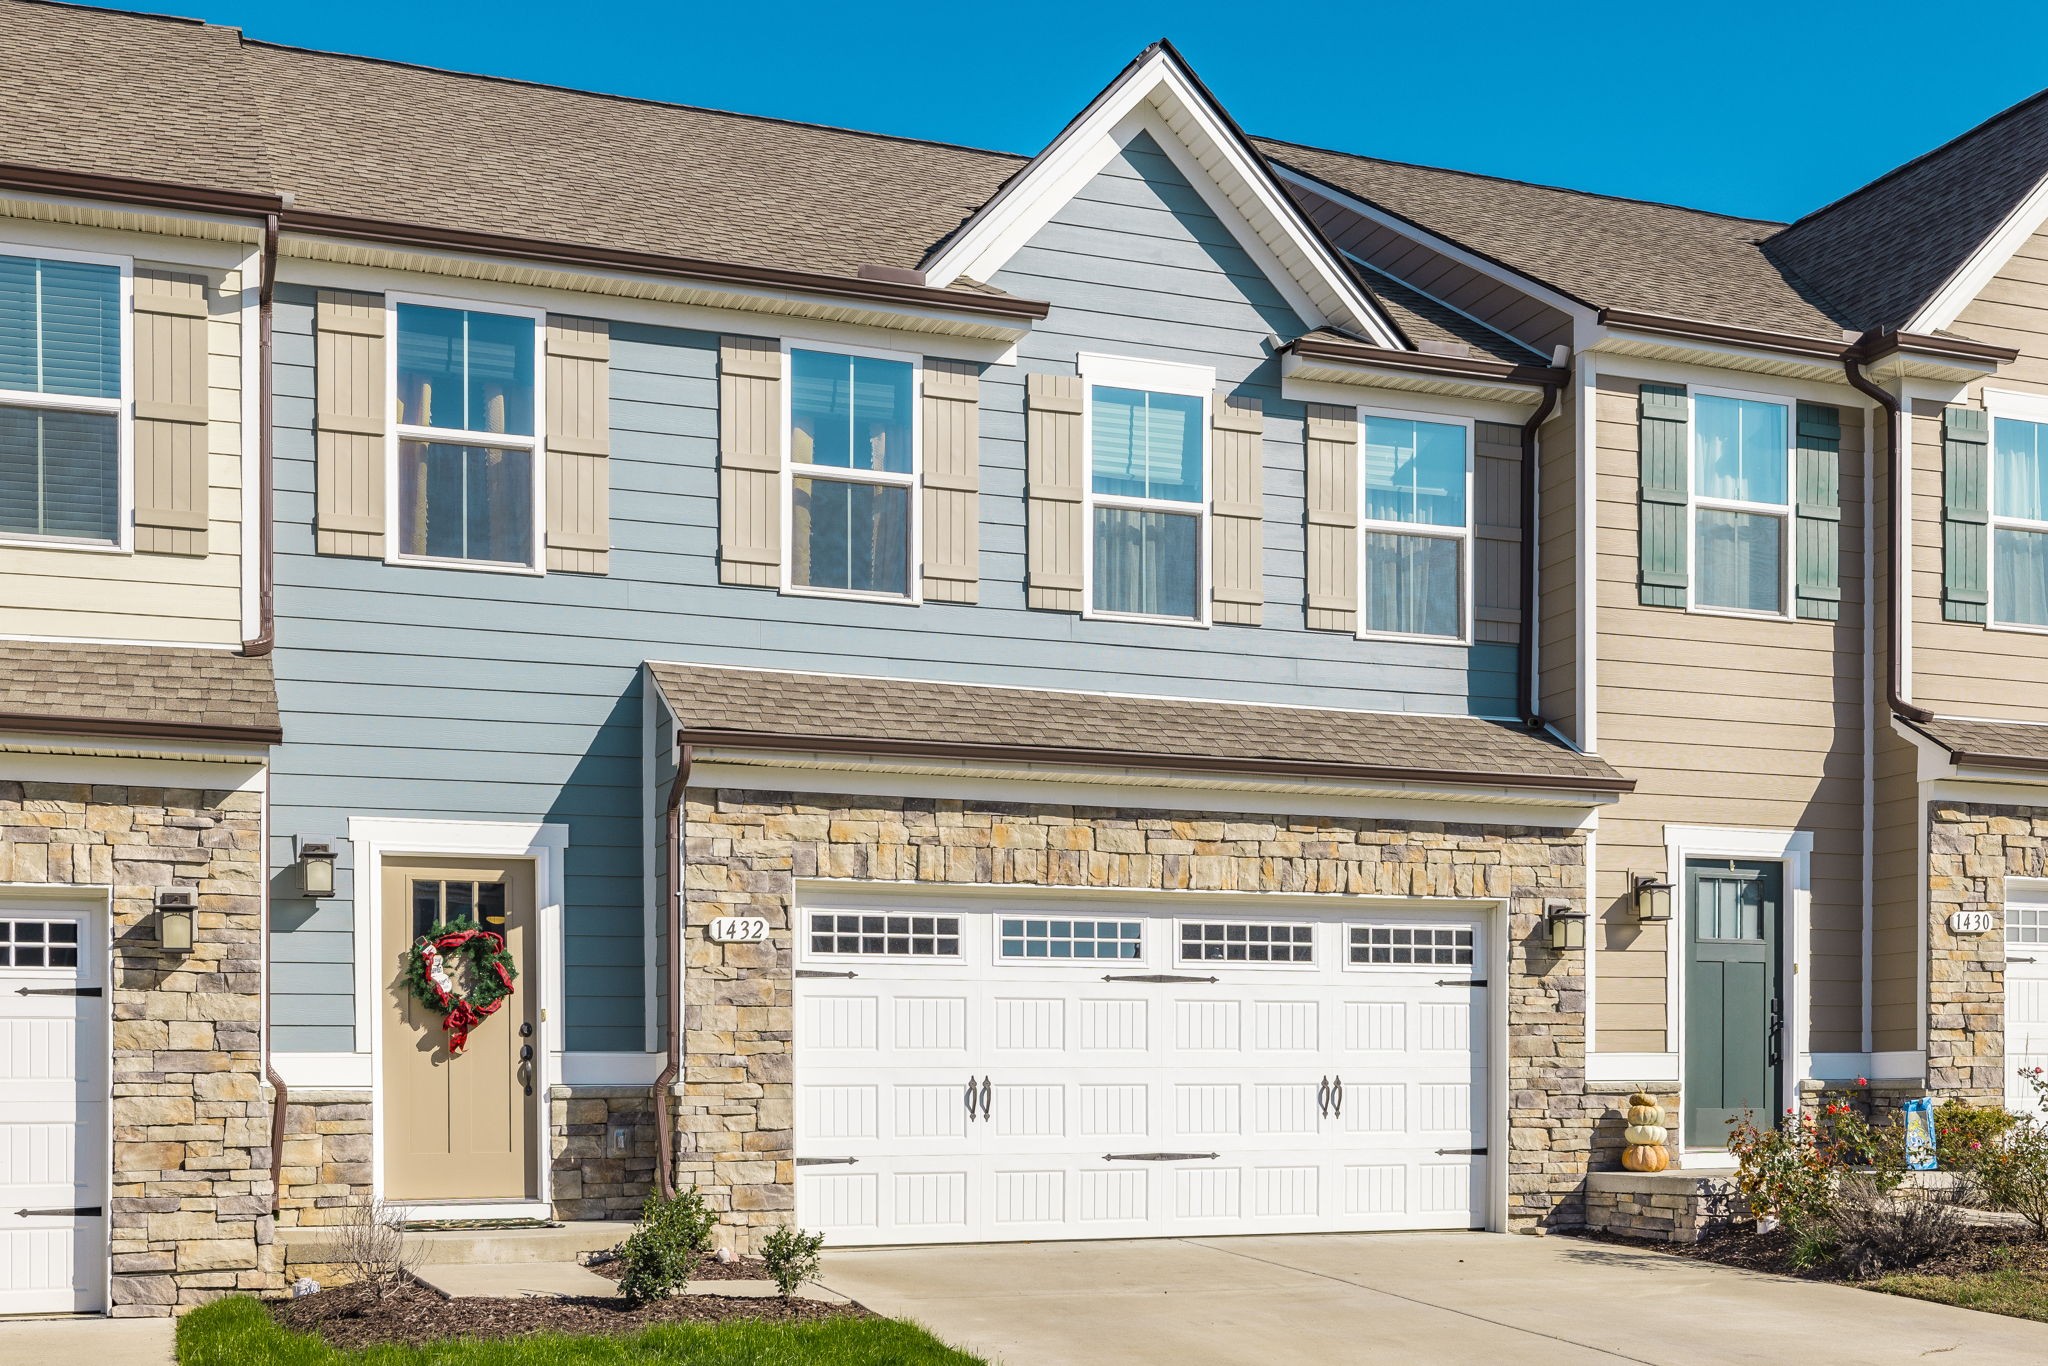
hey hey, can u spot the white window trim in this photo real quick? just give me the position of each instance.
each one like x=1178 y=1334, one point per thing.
x=2006 y=406
x=123 y=408
x=913 y=596
x=806 y=954
x=1315 y=943
x=1158 y=377
x=1793 y=849
x=1464 y=534
x=1785 y=512
x=1425 y=917
x=997 y=916
x=396 y=433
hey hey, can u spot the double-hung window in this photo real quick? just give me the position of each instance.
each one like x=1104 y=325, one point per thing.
x=2019 y=522
x=63 y=416
x=852 y=473
x=1147 y=488
x=1415 y=565
x=467 y=389
x=1741 y=503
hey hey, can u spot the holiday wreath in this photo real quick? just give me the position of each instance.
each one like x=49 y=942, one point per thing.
x=427 y=972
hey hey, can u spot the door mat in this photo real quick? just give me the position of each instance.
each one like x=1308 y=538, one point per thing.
x=472 y=1225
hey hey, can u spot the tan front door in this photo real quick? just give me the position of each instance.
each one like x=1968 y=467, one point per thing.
x=458 y=1128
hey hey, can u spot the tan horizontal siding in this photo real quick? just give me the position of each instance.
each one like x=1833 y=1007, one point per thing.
x=1557 y=577
x=1895 y=939
x=1724 y=721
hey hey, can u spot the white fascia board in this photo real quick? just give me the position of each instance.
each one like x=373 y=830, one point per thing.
x=1158 y=98
x=1493 y=270
x=1990 y=257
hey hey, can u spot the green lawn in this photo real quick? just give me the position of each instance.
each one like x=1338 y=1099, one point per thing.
x=240 y=1332
x=2021 y=1294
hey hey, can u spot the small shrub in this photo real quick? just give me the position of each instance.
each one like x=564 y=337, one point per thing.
x=667 y=1246
x=793 y=1257
x=2013 y=1172
x=373 y=1246
x=1963 y=1133
x=1789 y=1174
x=1872 y=1230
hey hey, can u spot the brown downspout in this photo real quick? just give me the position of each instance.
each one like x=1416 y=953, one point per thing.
x=1532 y=551
x=1896 y=452
x=664 y=1128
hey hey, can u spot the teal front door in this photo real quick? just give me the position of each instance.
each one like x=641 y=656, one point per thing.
x=1734 y=996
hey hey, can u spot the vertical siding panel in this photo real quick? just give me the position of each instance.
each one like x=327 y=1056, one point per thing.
x=1332 y=518
x=1496 y=532
x=1055 y=465
x=350 y=424
x=952 y=480
x=1237 y=514
x=750 y=461
x=172 y=489
x=579 y=445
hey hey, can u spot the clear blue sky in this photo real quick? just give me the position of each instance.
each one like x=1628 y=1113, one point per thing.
x=1750 y=108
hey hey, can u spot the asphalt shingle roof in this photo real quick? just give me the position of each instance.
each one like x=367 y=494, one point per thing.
x=137 y=689
x=2015 y=744
x=765 y=708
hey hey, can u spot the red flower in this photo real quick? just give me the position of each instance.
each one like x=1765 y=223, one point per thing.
x=1863 y=1081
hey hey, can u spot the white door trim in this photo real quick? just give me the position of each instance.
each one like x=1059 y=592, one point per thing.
x=1793 y=849
x=375 y=839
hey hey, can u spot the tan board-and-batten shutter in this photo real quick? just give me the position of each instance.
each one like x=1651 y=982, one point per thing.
x=750 y=461
x=1332 y=518
x=1055 y=465
x=350 y=412
x=172 y=484
x=1237 y=514
x=952 y=480
x=579 y=445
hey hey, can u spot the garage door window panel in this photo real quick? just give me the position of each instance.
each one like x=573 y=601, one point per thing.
x=1440 y=946
x=39 y=943
x=841 y=934
x=1249 y=943
x=1035 y=938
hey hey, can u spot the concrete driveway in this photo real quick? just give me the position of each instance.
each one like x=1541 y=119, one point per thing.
x=101 y=1342
x=1397 y=1297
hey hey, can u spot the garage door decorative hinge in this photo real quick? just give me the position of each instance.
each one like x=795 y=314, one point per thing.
x=820 y=972
x=1461 y=1152
x=1159 y=1157
x=827 y=1161
x=1461 y=981
x=76 y=1212
x=1158 y=977
x=57 y=991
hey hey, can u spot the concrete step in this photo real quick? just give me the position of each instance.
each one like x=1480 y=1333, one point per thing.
x=497 y=1247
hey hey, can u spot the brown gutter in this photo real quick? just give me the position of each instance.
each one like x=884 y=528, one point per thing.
x=1900 y=494
x=1877 y=345
x=265 y=638
x=1869 y=346
x=1532 y=551
x=140 y=730
x=664 y=1127
x=1095 y=758
x=147 y=193
x=1423 y=362
x=1006 y=307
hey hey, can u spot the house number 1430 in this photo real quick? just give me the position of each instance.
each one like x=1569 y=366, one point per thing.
x=739 y=929
x=1969 y=922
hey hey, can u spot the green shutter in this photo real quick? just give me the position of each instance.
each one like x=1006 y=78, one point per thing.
x=1664 y=456
x=1965 y=513
x=1817 y=470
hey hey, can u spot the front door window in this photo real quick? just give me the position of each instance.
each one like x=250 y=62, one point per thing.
x=1734 y=998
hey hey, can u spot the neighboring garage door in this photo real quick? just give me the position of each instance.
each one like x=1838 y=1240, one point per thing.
x=53 y=1111
x=1085 y=1070
x=2026 y=999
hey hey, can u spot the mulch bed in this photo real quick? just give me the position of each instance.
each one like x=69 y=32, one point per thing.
x=1740 y=1245
x=415 y=1317
x=745 y=1269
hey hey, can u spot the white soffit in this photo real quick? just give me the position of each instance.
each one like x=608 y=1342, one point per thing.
x=1159 y=96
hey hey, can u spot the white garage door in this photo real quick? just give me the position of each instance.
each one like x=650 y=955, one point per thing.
x=2026 y=1000
x=1094 y=1071
x=53 y=1112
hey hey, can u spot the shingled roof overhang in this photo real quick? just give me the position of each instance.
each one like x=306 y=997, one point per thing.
x=1327 y=348
x=156 y=692
x=2017 y=747
x=748 y=709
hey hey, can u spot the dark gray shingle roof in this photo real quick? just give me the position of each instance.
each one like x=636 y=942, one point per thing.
x=143 y=690
x=761 y=708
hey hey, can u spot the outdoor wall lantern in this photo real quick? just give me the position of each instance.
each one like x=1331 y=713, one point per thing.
x=1567 y=925
x=177 y=914
x=1652 y=897
x=316 y=868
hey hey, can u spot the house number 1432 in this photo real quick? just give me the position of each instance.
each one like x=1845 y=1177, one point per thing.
x=739 y=929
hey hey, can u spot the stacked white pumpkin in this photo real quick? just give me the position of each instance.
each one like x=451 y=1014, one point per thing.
x=1644 y=1149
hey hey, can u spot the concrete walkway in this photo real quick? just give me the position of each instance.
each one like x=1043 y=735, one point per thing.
x=1398 y=1297
x=100 y=1342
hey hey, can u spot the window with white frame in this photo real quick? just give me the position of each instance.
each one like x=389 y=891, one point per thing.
x=2026 y=924
x=1741 y=503
x=1411 y=945
x=1031 y=937
x=1234 y=941
x=62 y=400
x=853 y=473
x=468 y=410
x=1417 y=527
x=2019 y=522
x=1147 y=488
x=886 y=935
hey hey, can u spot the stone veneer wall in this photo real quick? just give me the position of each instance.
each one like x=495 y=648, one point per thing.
x=326 y=1155
x=744 y=851
x=1971 y=850
x=592 y=1180
x=189 y=1201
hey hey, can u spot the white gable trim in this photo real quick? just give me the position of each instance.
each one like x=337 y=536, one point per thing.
x=1578 y=311
x=1984 y=263
x=1159 y=97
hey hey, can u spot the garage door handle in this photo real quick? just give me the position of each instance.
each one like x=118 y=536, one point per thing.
x=1337 y=1099
x=1323 y=1098
x=1159 y=1157
x=987 y=1091
x=76 y=1212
